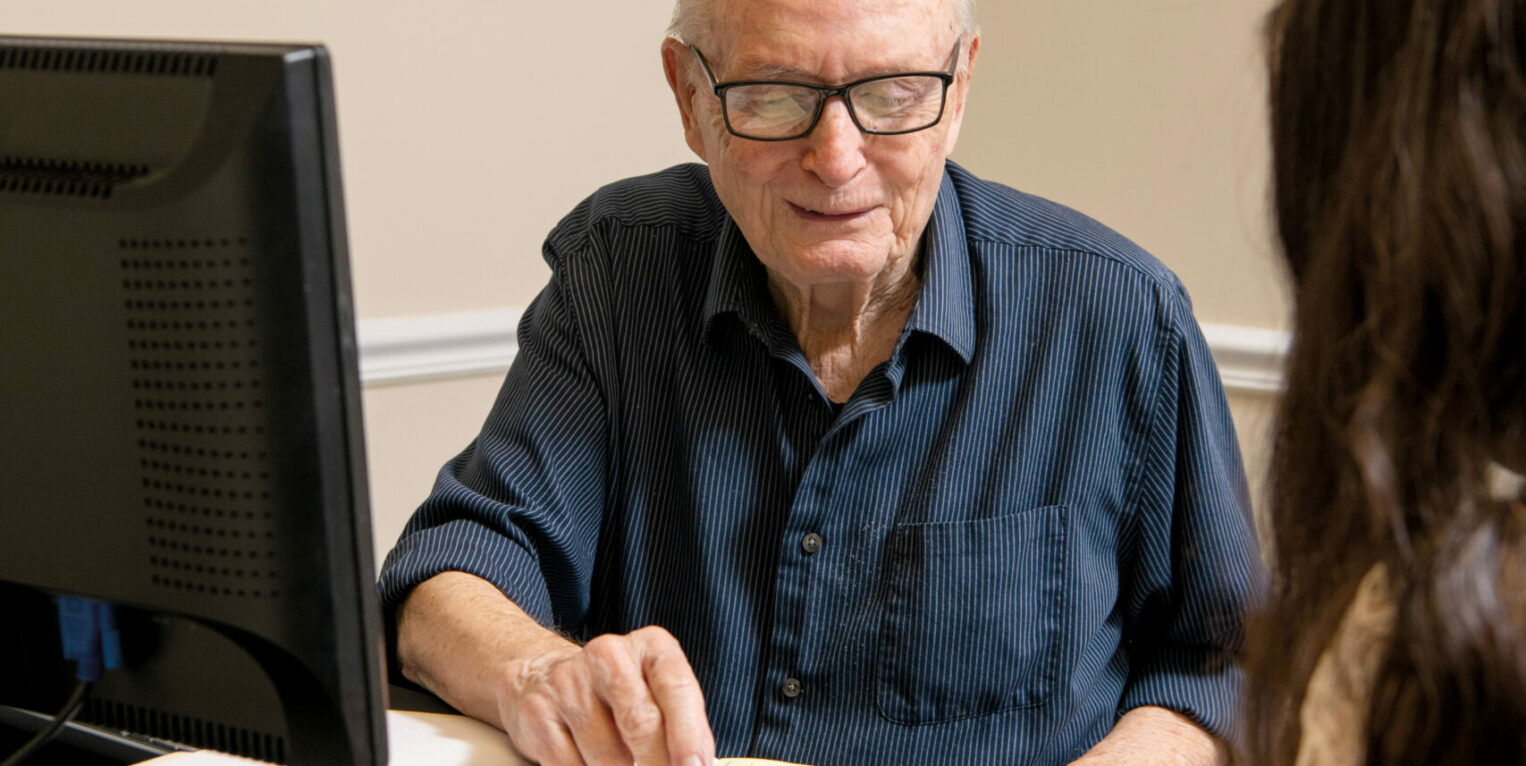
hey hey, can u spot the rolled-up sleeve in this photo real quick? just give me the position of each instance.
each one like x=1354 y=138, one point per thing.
x=1195 y=567
x=521 y=507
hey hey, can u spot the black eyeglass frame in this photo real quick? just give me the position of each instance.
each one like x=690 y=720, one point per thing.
x=824 y=92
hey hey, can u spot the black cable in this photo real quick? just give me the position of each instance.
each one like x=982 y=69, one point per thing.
x=71 y=709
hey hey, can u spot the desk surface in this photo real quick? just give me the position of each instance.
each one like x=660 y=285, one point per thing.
x=435 y=739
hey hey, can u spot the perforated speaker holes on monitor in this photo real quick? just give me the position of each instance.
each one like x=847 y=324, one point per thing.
x=199 y=397
x=70 y=178
x=107 y=57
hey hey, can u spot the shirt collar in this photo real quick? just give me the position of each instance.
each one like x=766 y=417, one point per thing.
x=944 y=310
x=946 y=307
x=738 y=285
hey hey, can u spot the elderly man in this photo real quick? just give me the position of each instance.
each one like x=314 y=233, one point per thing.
x=828 y=451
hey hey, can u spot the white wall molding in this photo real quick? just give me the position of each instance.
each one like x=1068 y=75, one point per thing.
x=1249 y=358
x=407 y=349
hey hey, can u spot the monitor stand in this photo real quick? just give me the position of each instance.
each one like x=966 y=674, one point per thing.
x=75 y=745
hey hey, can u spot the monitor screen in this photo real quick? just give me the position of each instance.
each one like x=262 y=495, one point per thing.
x=179 y=398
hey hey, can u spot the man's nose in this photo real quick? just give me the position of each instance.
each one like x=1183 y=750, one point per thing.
x=835 y=150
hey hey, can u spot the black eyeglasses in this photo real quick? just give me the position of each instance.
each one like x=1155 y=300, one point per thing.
x=885 y=105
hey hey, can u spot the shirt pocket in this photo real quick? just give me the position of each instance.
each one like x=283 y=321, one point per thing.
x=972 y=624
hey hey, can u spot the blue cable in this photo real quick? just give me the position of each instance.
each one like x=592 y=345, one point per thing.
x=90 y=636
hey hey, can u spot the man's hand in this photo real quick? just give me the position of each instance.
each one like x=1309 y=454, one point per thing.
x=630 y=699
x=1158 y=737
x=618 y=700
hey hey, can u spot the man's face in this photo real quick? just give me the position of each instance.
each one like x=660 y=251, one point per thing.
x=836 y=206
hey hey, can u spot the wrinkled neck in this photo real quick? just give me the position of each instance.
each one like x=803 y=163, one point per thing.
x=845 y=329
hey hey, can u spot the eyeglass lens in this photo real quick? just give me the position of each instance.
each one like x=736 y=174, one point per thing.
x=888 y=105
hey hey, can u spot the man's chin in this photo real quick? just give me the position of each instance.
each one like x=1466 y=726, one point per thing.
x=835 y=262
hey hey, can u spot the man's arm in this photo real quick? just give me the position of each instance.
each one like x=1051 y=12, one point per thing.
x=1195 y=572
x=1155 y=736
x=618 y=699
x=521 y=510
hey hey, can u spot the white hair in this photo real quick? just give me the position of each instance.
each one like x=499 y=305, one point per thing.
x=691 y=18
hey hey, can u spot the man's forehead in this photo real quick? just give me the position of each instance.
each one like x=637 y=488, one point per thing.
x=730 y=17
x=795 y=38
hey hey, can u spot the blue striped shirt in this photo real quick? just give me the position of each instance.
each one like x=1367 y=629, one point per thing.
x=1030 y=519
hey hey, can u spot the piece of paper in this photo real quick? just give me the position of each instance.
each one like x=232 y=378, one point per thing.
x=446 y=740
x=202 y=758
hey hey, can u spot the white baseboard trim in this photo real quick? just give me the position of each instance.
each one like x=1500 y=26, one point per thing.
x=409 y=349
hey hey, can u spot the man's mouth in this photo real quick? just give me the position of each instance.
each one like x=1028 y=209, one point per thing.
x=829 y=215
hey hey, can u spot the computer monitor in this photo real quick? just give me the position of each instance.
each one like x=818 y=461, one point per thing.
x=180 y=414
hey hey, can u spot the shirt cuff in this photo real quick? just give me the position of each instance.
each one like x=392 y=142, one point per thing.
x=465 y=546
x=1202 y=684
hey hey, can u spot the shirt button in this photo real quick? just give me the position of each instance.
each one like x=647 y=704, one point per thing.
x=791 y=688
x=810 y=543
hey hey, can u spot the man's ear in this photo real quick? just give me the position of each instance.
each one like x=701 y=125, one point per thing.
x=676 y=66
x=958 y=92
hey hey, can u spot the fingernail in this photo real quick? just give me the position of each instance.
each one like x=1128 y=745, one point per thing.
x=694 y=760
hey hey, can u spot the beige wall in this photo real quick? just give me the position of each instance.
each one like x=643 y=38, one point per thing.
x=1146 y=114
x=411 y=430
x=470 y=126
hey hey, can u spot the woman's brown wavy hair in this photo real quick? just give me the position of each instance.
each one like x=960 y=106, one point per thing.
x=1399 y=185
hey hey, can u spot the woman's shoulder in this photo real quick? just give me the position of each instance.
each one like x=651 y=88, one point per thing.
x=1334 y=712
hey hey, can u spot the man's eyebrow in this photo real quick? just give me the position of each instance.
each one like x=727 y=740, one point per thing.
x=757 y=68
